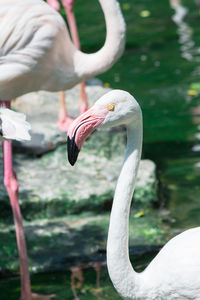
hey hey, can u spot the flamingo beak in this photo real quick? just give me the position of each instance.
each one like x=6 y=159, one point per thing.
x=80 y=130
x=1 y=131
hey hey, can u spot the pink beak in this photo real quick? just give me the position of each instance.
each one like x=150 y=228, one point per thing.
x=81 y=129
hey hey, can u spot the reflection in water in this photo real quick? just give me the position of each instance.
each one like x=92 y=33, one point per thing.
x=77 y=280
x=188 y=50
x=195 y=112
x=97 y=266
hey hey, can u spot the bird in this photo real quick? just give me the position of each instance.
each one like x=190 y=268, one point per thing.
x=174 y=273
x=37 y=46
x=63 y=119
x=36 y=53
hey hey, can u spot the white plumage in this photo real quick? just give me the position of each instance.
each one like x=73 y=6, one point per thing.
x=36 y=52
x=14 y=125
x=174 y=274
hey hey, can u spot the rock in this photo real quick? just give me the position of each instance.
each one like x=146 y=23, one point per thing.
x=50 y=187
x=41 y=109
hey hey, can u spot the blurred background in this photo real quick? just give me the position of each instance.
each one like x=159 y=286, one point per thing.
x=66 y=228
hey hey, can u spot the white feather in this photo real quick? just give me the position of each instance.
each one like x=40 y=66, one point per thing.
x=14 y=125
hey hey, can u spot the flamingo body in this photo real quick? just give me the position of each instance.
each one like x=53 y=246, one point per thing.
x=173 y=273
x=32 y=48
x=36 y=52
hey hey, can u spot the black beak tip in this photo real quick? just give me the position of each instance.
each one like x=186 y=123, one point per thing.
x=72 y=150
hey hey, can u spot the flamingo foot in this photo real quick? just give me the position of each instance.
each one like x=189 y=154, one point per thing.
x=64 y=125
x=42 y=297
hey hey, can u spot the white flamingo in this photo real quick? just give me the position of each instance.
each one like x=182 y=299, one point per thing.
x=36 y=53
x=174 y=272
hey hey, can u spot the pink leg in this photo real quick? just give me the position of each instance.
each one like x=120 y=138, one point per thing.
x=83 y=103
x=54 y=3
x=11 y=185
x=65 y=121
x=69 y=8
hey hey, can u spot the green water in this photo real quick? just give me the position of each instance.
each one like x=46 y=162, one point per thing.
x=161 y=68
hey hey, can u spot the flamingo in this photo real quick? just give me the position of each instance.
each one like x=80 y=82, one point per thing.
x=174 y=273
x=63 y=119
x=36 y=53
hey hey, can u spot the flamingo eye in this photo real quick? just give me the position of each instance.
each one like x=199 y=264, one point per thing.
x=111 y=107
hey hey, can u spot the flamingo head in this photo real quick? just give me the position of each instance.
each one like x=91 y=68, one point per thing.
x=114 y=108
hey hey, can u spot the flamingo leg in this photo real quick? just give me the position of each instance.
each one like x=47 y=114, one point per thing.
x=64 y=120
x=69 y=8
x=54 y=3
x=11 y=185
x=83 y=102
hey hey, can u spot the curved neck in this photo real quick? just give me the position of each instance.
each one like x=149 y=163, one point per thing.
x=87 y=65
x=124 y=278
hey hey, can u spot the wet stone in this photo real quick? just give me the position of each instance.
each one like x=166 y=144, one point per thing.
x=51 y=187
x=41 y=109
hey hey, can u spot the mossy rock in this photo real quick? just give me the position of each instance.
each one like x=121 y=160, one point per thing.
x=50 y=187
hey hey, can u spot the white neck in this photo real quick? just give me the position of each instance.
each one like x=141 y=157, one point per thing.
x=88 y=65
x=124 y=278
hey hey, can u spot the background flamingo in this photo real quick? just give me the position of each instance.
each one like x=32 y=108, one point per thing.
x=37 y=54
x=174 y=272
x=63 y=119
